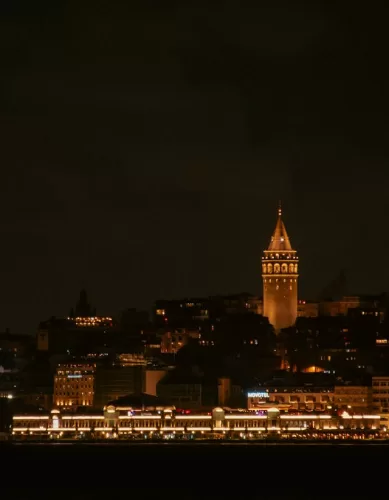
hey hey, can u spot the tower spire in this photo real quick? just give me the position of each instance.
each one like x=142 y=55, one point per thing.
x=280 y=239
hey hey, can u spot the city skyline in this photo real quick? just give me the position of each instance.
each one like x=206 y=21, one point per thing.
x=193 y=212
x=145 y=150
x=103 y=311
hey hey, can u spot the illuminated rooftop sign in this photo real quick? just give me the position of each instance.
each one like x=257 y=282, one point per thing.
x=258 y=394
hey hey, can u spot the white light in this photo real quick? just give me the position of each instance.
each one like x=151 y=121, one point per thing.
x=257 y=395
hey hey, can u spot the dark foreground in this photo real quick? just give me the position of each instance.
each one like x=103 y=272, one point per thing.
x=196 y=470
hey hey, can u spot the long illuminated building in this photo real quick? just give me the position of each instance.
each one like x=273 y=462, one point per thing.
x=124 y=422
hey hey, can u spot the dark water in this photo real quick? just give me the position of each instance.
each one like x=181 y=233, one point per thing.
x=198 y=470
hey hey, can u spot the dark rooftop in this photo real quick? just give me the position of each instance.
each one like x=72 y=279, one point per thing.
x=302 y=380
x=138 y=401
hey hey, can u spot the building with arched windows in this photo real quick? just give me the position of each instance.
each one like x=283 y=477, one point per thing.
x=280 y=278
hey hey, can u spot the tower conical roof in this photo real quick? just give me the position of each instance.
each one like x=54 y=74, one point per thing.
x=280 y=239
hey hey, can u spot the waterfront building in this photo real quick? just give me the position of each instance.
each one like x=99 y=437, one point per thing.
x=123 y=419
x=74 y=385
x=352 y=397
x=380 y=395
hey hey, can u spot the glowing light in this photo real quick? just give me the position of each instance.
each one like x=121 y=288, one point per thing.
x=262 y=394
x=92 y=321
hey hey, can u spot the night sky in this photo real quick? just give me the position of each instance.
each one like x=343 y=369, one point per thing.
x=144 y=149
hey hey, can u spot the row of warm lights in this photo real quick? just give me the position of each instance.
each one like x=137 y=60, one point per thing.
x=251 y=416
x=79 y=368
x=91 y=321
x=202 y=423
x=150 y=432
x=91 y=318
x=277 y=256
x=70 y=403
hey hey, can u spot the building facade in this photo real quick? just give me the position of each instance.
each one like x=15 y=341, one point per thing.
x=172 y=341
x=117 y=381
x=130 y=423
x=307 y=309
x=74 y=385
x=356 y=398
x=152 y=377
x=301 y=398
x=380 y=390
x=280 y=279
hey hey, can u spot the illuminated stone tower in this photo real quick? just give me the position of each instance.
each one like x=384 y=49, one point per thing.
x=280 y=277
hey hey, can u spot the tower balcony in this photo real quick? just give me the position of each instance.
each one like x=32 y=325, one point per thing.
x=269 y=255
